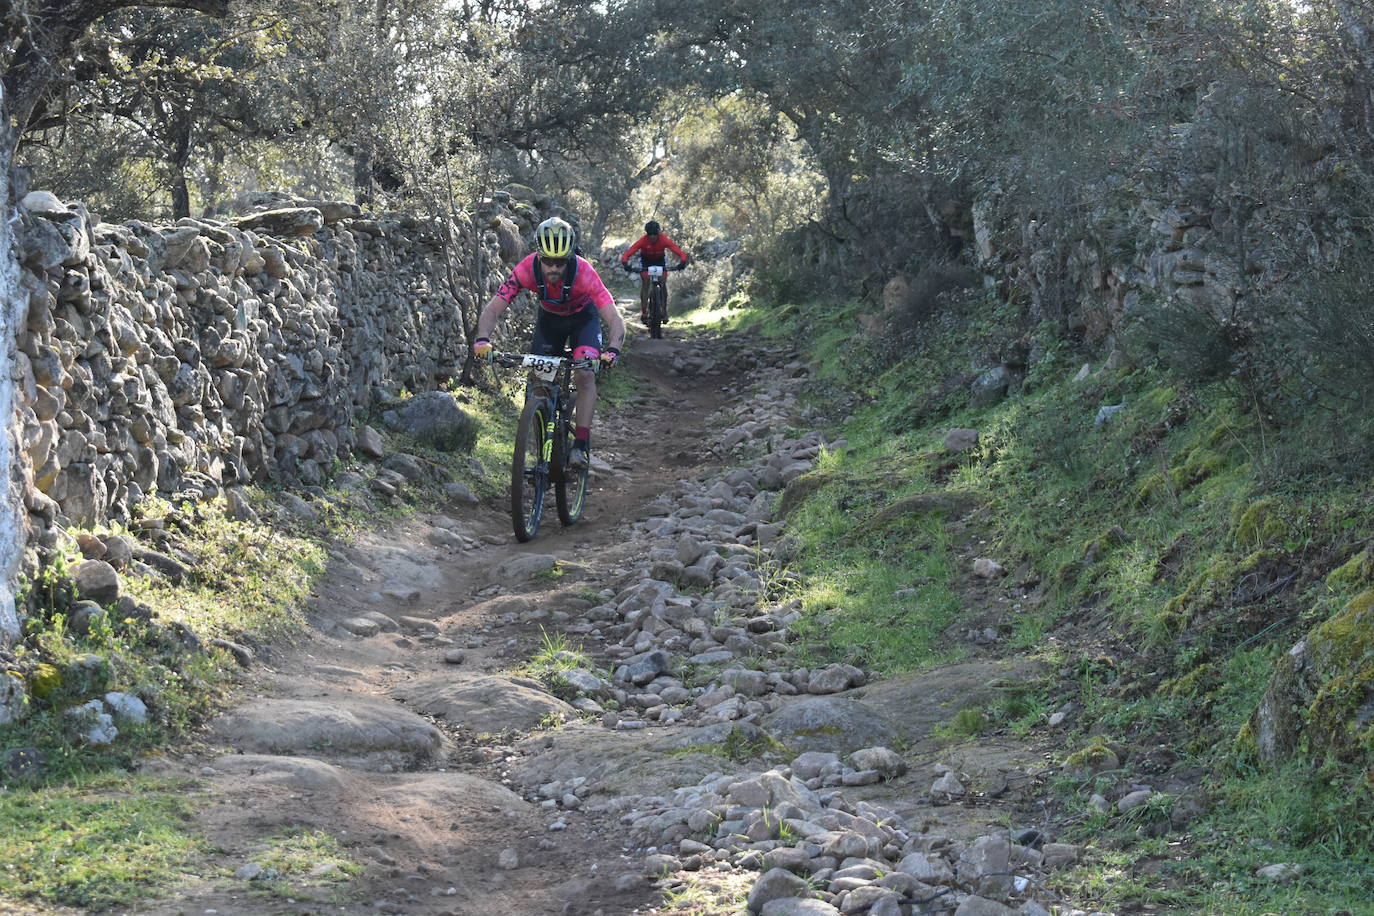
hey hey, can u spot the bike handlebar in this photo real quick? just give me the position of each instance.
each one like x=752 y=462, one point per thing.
x=513 y=360
x=637 y=270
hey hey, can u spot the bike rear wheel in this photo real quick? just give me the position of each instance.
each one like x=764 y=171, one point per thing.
x=658 y=307
x=529 y=470
x=569 y=486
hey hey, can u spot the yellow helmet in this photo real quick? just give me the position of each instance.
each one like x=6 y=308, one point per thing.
x=554 y=238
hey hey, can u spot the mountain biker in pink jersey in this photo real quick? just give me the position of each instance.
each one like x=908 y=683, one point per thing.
x=571 y=297
x=651 y=248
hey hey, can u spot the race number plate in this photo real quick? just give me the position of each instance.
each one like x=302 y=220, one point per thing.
x=546 y=367
x=656 y=270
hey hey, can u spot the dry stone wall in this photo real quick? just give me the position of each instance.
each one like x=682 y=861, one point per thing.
x=159 y=359
x=1198 y=237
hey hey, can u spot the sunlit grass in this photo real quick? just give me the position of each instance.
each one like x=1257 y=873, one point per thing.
x=709 y=892
x=302 y=864
x=97 y=844
x=879 y=601
x=724 y=317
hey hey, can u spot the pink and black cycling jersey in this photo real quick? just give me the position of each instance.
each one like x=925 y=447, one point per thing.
x=651 y=248
x=587 y=289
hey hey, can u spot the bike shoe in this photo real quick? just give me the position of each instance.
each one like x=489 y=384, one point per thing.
x=577 y=458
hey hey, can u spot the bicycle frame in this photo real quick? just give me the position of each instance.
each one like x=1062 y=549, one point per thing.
x=658 y=298
x=542 y=441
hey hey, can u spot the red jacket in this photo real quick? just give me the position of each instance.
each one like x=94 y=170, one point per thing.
x=651 y=249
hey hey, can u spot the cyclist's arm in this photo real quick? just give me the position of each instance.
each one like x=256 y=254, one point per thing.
x=605 y=306
x=672 y=246
x=629 y=252
x=493 y=310
x=615 y=326
x=486 y=322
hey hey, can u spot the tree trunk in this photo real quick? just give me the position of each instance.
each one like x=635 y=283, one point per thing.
x=12 y=526
x=180 y=135
x=1358 y=28
x=212 y=186
x=597 y=233
x=362 y=174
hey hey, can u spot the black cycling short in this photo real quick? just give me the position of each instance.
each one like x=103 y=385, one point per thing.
x=555 y=333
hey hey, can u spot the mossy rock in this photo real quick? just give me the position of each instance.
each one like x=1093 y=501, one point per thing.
x=1149 y=489
x=1225 y=429
x=1261 y=522
x=1200 y=464
x=1155 y=401
x=522 y=192
x=45 y=680
x=802 y=489
x=1321 y=696
x=1356 y=572
x=1090 y=760
x=1194 y=684
x=951 y=502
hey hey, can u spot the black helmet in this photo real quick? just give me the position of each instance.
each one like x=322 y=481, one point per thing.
x=652 y=227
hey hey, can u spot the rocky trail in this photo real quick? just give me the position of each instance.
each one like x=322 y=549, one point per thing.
x=686 y=767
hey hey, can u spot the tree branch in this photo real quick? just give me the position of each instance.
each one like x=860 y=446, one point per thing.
x=46 y=32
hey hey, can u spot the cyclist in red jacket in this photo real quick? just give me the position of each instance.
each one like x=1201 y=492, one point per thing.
x=652 y=249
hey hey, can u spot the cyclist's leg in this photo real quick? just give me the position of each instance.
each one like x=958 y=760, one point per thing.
x=643 y=296
x=664 y=279
x=586 y=340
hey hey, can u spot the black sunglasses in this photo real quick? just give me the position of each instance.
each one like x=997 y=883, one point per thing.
x=553 y=262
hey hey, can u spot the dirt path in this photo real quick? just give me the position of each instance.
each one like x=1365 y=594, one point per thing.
x=416 y=747
x=430 y=836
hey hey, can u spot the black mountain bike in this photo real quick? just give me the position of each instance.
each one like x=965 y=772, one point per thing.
x=543 y=440
x=657 y=309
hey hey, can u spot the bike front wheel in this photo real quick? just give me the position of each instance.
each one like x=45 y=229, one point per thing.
x=658 y=307
x=529 y=470
x=569 y=487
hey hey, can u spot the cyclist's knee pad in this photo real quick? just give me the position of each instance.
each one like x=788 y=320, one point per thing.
x=586 y=353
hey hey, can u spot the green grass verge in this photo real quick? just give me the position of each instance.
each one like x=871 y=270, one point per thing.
x=95 y=844
x=1175 y=549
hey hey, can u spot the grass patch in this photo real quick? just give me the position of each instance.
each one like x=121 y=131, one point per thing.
x=740 y=747
x=872 y=596
x=232 y=587
x=96 y=844
x=305 y=865
x=556 y=656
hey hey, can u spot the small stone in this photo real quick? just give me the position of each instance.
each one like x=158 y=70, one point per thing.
x=1134 y=800
x=508 y=859
x=948 y=786
x=249 y=872
x=1280 y=872
x=988 y=569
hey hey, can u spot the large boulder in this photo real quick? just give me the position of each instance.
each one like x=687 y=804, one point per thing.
x=284 y=223
x=434 y=418
x=1322 y=692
